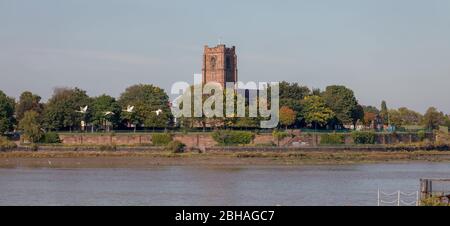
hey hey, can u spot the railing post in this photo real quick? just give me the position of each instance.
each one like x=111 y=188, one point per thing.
x=398 y=198
x=378 y=203
x=417 y=198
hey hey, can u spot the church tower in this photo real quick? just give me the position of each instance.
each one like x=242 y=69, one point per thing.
x=219 y=65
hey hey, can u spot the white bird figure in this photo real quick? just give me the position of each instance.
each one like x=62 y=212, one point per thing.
x=129 y=109
x=159 y=111
x=83 y=109
x=109 y=113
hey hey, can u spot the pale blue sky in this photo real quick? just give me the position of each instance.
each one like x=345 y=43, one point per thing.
x=397 y=50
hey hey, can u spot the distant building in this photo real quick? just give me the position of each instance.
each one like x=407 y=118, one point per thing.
x=219 y=65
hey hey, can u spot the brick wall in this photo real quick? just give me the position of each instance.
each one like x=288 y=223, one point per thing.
x=205 y=139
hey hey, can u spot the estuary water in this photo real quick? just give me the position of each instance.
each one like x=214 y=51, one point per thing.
x=225 y=185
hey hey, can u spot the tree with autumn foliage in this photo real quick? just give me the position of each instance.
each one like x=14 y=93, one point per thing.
x=287 y=116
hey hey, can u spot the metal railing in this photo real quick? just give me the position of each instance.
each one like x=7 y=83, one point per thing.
x=395 y=198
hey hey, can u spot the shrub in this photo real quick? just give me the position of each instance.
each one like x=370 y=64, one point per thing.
x=332 y=138
x=363 y=137
x=50 y=138
x=432 y=201
x=34 y=147
x=229 y=137
x=421 y=135
x=161 y=139
x=279 y=135
x=107 y=147
x=175 y=146
x=6 y=144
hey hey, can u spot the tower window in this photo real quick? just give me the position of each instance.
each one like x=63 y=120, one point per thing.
x=213 y=62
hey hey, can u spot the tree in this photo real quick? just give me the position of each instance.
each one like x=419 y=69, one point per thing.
x=371 y=116
x=447 y=121
x=60 y=111
x=28 y=102
x=395 y=118
x=293 y=91
x=287 y=116
x=357 y=115
x=147 y=99
x=30 y=126
x=316 y=112
x=6 y=113
x=384 y=114
x=433 y=118
x=105 y=110
x=343 y=103
x=371 y=109
x=296 y=105
x=409 y=117
x=291 y=95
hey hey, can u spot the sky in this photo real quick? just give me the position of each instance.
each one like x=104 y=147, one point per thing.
x=393 y=50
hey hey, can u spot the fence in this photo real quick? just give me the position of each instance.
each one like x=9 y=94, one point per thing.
x=398 y=198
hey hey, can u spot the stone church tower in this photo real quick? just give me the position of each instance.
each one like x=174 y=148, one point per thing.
x=219 y=65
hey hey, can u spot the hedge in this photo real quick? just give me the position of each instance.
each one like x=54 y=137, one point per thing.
x=175 y=147
x=161 y=139
x=363 y=137
x=332 y=138
x=6 y=144
x=50 y=138
x=229 y=137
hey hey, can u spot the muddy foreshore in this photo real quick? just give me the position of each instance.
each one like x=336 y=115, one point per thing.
x=126 y=159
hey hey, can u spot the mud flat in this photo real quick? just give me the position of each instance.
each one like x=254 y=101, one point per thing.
x=143 y=159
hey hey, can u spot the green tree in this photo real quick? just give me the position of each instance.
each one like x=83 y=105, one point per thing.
x=433 y=118
x=404 y=117
x=291 y=95
x=147 y=99
x=28 y=102
x=357 y=115
x=293 y=91
x=6 y=113
x=287 y=116
x=60 y=111
x=316 y=112
x=371 y=109
x=30 y=126
x=447 y=121
x=343 y=103
x=395 y=117
x=384 y=113
x=409 y=117
x=105 y=109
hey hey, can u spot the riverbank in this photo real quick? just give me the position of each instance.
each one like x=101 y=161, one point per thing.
x=144 y=159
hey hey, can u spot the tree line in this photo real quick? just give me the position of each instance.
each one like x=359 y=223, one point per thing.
x=64 y=111
x=300 y=107
x=337 y=106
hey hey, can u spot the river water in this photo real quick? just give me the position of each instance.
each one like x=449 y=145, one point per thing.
x=240 y=185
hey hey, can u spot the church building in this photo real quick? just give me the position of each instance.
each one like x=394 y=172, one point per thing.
x=219 y=65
